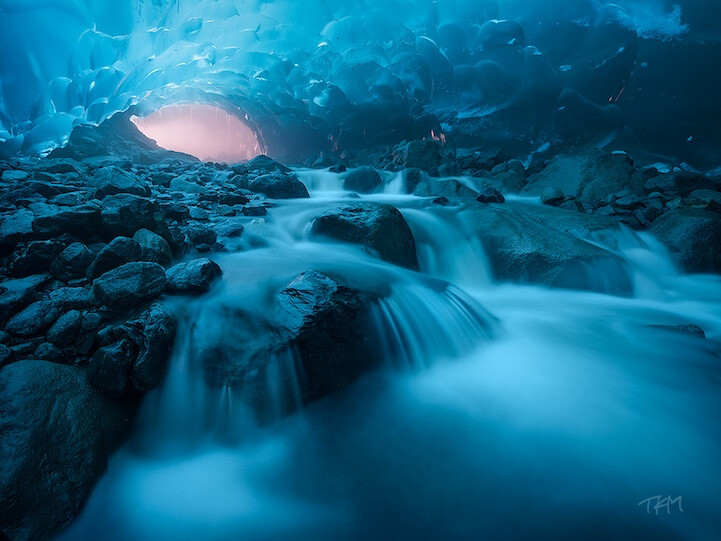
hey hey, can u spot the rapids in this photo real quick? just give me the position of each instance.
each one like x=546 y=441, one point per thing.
x=503 y=411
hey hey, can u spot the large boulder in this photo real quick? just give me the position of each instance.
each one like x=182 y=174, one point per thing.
x=425 y=155
x=153 y=247
x=36 y=257
x=589 y=176
x=544 y=245
x=81 y=221
x=378 y=227
x=19 y=292
x=693 y=237
x=130 y=286
x=56 y=434
x=279 y=186
x=72 y=263
x=119 y=251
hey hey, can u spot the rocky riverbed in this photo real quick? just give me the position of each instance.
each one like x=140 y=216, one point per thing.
x=99 y=257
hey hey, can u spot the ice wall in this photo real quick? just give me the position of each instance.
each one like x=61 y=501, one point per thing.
x=329 y=74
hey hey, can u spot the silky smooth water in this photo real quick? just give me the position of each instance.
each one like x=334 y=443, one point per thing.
x=504 y=411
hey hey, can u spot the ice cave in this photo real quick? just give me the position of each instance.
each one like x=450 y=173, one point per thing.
x=351 y=270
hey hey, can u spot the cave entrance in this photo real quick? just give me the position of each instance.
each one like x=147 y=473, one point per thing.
x=207 y=132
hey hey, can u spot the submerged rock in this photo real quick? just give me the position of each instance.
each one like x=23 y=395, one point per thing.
x=56 y=434
x=376 y=226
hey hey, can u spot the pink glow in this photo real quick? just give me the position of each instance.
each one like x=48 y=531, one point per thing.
x=204 y=131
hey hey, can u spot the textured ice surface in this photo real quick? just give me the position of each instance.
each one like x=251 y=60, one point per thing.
x=324 y=74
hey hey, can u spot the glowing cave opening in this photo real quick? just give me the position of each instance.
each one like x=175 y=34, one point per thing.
x=207 y=132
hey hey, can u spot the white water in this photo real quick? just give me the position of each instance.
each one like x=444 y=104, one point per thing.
x=555 y=423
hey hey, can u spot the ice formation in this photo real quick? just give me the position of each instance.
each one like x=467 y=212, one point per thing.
x=328 y=75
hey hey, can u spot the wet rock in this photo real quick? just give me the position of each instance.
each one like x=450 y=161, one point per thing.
x=552 y=196
x=378 y=227
x=130 y=286
x=543 y=245
x=491 y=195
x=175 y=211
x=6 y=355
x=153 y=247
x=264 y=165
x=110 y=368
x=687 y=329
x=590 y=176
x=36 y=257
x=113 y=180
x=202 y=236
x=327 y=323
x=34 y=320
x=195 y=276
x=48 y=352
x=424 y=155
x=279 y=186
x=661 y=183
x=124 y=214
x=16 y=227
x=185 y=184
x=412 y=178
x=255 y=210
x=362 y=180
x=66 y=329
x=12 y=175
x=693 y=237
x=704 y=199
x=232 y=228
x=152 y=332
x=56 y=434
x=120 y=251
x=72 y=263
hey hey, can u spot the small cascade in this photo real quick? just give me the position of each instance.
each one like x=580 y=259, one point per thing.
x=418 y=325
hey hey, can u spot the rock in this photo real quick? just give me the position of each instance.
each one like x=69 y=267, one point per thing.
x=687 y=329
x=264 y=165
x=327 y=323
x=110 y=368
x=279 y=186
x=425 y=155
x=628 y=202
x=491 y=195
x=124 y=214
x=186 y=185
x=12 y=175
x=552 y=196
x=72 y=263
x=72 y=298
x=175 y=211
x=664 y=183
x=255 y=210
x=153 y=247
x=18 y=293
x=153 y=334
x=232 y=228
x=48 y=352
x=36 y=257
x=120 y=251
x=16 y=227
x=81 y=221
x=130 y=286
x=34 y=320
x=66 y=329
x=376 y=226
x=113 y=180
x=543 y=245
x=56 y=434
x=6 y=355
x=705 y=199
x=363 y=180
x=442 y=201
x=202 y=236
x=412 y=178
x=196 y=276
x=450 y=187
x=693 y=237
x=589 y=176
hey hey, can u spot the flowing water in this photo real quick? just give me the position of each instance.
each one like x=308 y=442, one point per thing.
x=503 y=411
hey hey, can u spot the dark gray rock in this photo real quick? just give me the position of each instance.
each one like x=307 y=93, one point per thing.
x=152 y=333
x=130 y=286
x=590 y=176
x=110 y=368
x=202 y=236
x=16 y=227
x=56 y=434
x=36 y=257
x=72 y=263
x=687 y=329
x=34 y=320
x=363 y=180
x=552 y=196
x=17 y=293
x=693 y=237
x=279 y=186
x=195 y=276
x=425 y=155
x=264 y=165
x=81 y=221
x=491 y=195
x=113 y=180
x=48 y=352
x=120 y=251
x=66 y=329
x=376 y=226
x=449 y=187
x=124 y=214
x=153 y=247
x=412 y=177
x=6 y=355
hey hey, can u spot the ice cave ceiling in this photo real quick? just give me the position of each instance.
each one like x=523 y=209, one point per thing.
x=334 y=76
